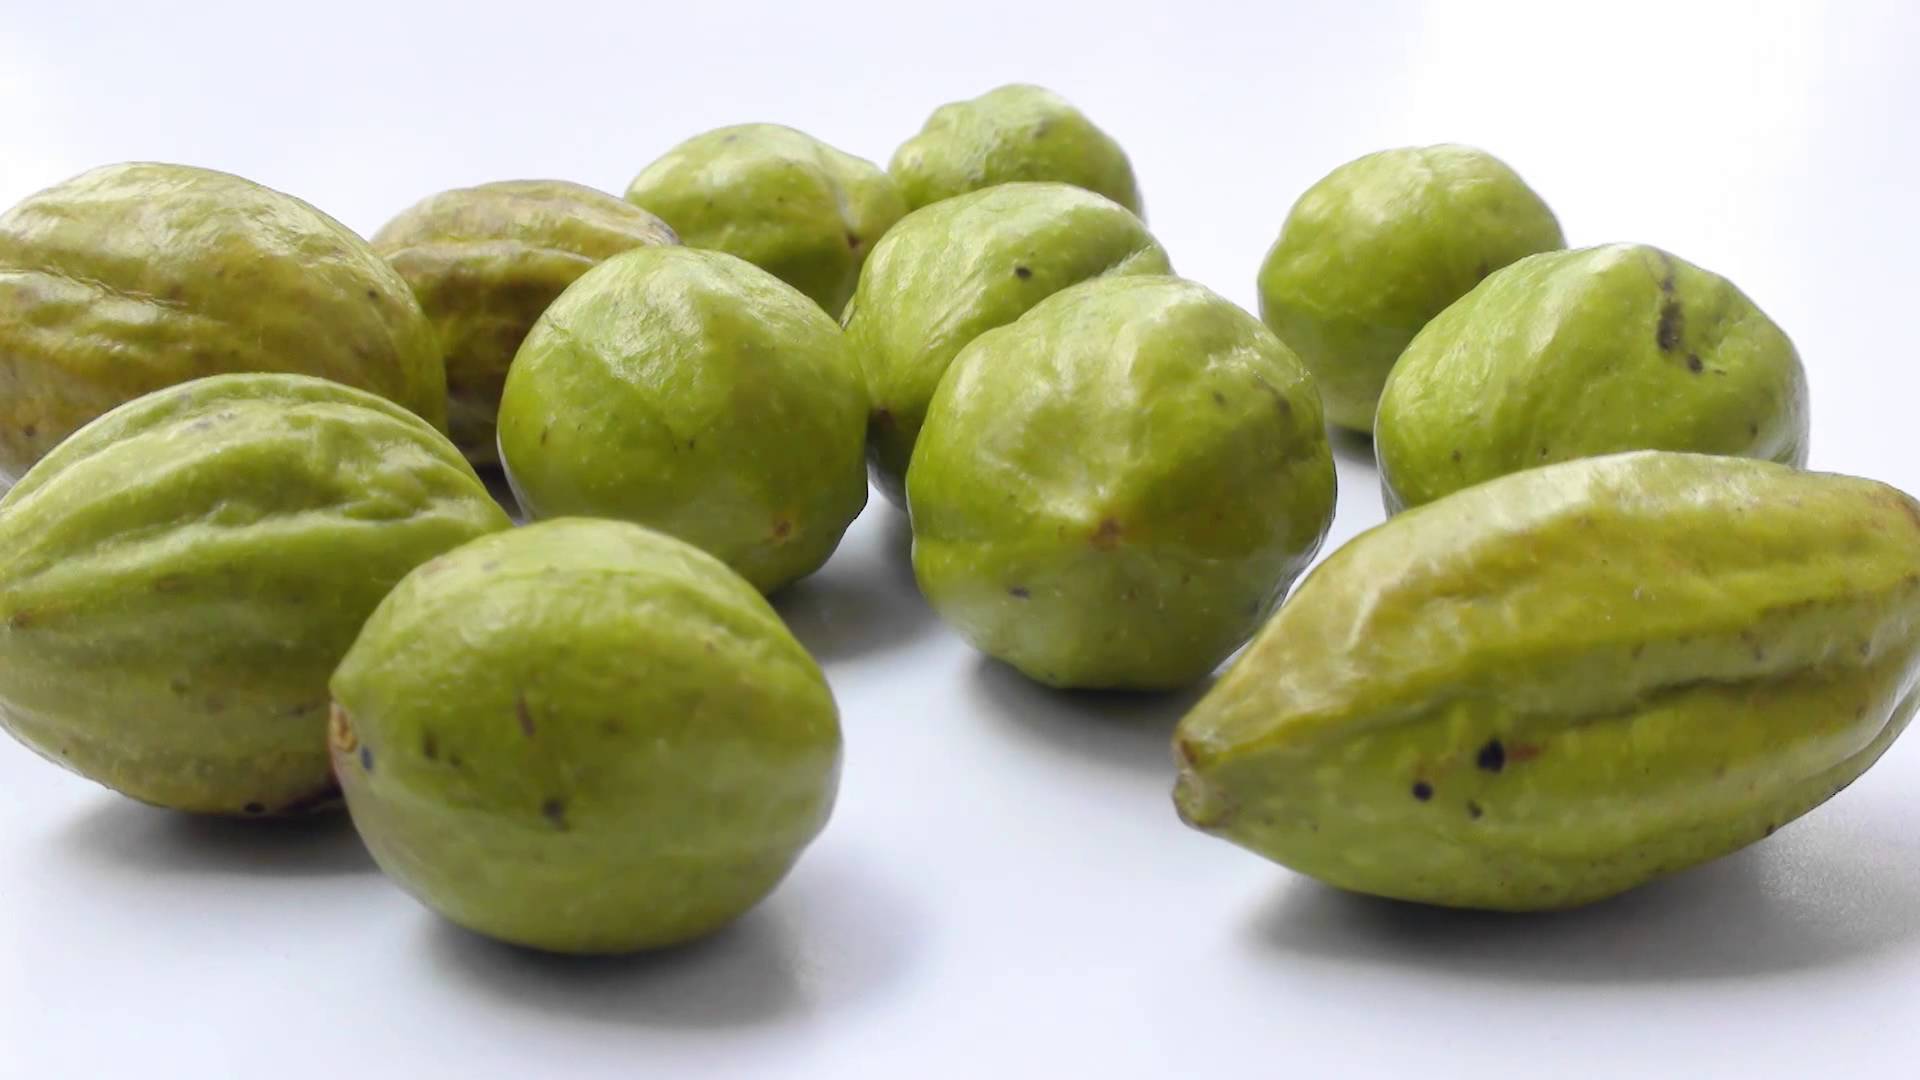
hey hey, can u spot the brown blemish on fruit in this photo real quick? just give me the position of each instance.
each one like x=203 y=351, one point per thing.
x=1694 y=365
x=1519 y=753
x=524 y=714
x=544 y=432
x=1019 y=592
x=853 y=241
x=1022 y=273
x=1492 y=757
x=340 y=733
x=1107 y=536
x=29 y=430
x=1422 y=790
x=429 y=746
x=366 y=758
x=20 y=620
x=1474 y=811
x=782 y=528
x=253 y=808
x=555 y=811
x=1672 y=321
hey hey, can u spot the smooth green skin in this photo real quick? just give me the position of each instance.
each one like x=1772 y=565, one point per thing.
x=694 y=393
x=1114 y=490
x=485 y=261
x=1380 y=246
x=1576 y=354
x=784 y=201
x=1010 y=134
x=135 y=277
x=954 y=270
x=584 y=736
x=179 y=578
x=1601 y=671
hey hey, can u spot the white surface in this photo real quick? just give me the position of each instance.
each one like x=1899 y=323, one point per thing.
x=1004 y=889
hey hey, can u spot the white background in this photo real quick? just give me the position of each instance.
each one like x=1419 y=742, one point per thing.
x=1004 y=889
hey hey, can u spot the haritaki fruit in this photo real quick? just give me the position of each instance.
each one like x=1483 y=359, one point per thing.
x=583 y=736
x=179 y=578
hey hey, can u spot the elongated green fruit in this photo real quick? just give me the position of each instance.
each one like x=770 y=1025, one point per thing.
x=1560 y=684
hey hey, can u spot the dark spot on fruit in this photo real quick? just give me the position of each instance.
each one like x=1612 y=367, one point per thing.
x=690 y=444
x=1473 y=810
x=1022 y=273
x=1770 y=830
x=455 y=760
x=1865 y=649
x=730 y=138
x=1759 y=654
x=1019 y=592
x=711 y=647
x=1543 y=453
x=1422 y=790
x=366 y=758
x=853 y=241
x=373 y=294
x=254 y=808
x=544 y=432
x=1219 y=398
x=1456 y=457
x=1753 y=431
x=1107 y=536
x=429 y=746
x=782 y=528
x=1694 y=365
x=524 y=714
x=29 y=430
x=555 y=811
x=612 y=727
x=1672 y=320
x=1492 y=757
x=1481 y=269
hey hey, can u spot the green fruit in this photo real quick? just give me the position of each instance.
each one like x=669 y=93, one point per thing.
x=1560 y=684
x=780 y=199
x=131 y=278
x=179 y=578
x=1008 y=134
x=1379 y=247
x=1581 y=353
x=688 y=391
x=956 y=269
x=1114 y=490
x=584 y=736
x=485 y=261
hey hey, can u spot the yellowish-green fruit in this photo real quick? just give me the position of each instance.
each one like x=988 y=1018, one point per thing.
x=179 y=578
x=485 y=261
x=1114 y=490
x=954 y=270
x=1380 y=246
x=584 y=736
x=1010 y=134
x=1580 y=353
x=784 y=201
x=135 y=277
x=1560 y=684
x=691 y=392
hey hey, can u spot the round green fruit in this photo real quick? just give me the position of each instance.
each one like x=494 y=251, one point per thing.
x=1576 y=354
x=485 y=261
x=583 y=736
x=778 y=198
x=179 y=578
x=691 y=392
x=954 y=270
x=135 y=277
x=1008 y=134
x=1114 y=490
x=1382 y=245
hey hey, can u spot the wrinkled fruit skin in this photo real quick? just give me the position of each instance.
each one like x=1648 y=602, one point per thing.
x=584 y=736
x=135 y=277
x=1114 y=490
x=691 y=392
x=1380 y=246
x=178 y=580
x=1582 y=353
x=954 y=270
x=1010 y=134
x=780 y=199
x=485 y=261
x=1560 y=684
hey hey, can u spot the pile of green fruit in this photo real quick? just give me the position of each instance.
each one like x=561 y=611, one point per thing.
x=249 y=565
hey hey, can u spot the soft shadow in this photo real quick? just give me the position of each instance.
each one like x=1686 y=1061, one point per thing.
x=896 y=545
x=1354 y=446
x=1787 y=904
x=122 y=833
x=821 y=942
x=841 y=616
x=1122 y=730
x=496 y=480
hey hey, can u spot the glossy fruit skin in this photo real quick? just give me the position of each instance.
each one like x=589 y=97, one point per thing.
x=1009 y=134
x=691 y=392
x=1114 y=490
x=1581 y=353
x=130 y=278
x=585 y=737
x=1380 y=246
x=783 y=200
x=1563 y=683
x=485 y=261
x=179 y=578
x=951 y=271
